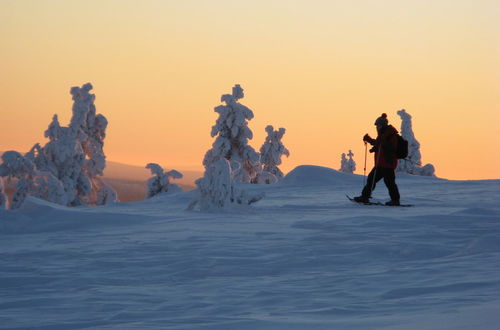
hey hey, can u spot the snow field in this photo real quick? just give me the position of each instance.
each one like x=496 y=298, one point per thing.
x=304 y=257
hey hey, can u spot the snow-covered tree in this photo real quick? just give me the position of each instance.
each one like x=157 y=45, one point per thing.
x=160 y=182
x=72 y=159
x=413 y=162
x=265 y=177
x=91 y=131
x=351 y=164
x=30 y=181
x=347 y=165
x=3 y=196
x=231 y=162
x=232 y=134
x=343 y=163
x=15 y=166
x=218 y=188
x=270 y=155
x=63 y=157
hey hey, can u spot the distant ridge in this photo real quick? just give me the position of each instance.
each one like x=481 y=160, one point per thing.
x=129 y=181
x=118 y=170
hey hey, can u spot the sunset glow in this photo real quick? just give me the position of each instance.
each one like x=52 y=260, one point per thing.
x=324 y=70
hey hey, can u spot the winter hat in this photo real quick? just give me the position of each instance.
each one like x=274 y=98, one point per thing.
x=382 y=120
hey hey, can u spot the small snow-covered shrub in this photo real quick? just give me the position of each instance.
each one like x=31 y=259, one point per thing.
x=270 y=156
x=160 y=182
x=347 y=165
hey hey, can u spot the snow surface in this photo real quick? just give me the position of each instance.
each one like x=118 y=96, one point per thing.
x=304 y=257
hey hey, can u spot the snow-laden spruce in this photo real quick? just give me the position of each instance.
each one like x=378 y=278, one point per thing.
x=3 y=196
x=30 y=180
x=64 y=158
x=231 y=162
x=73 y=160
x=218 y=188
x=413 y=162
x=232 y=134
x=160 y=182
x=343 y=163
x=347 y=165
x=270 y=156
x=91 y=130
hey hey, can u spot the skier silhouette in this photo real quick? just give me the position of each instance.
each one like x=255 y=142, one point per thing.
x=386 y=161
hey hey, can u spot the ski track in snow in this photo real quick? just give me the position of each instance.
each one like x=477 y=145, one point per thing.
x=302 y=258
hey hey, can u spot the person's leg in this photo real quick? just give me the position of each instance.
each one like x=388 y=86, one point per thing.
x=374 y=177
x=390 y=182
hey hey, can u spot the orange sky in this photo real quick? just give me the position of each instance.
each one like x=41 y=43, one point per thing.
x=324 y=70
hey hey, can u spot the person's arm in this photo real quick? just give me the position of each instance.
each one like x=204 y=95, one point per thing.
x=368 y=138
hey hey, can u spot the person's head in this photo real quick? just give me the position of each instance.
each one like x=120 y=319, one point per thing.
x=381 y=122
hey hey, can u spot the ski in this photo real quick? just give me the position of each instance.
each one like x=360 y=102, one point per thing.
x=376 y=203
x=364 y=203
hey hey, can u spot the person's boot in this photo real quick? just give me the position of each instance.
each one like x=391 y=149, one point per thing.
x=392 y=203
x=361 y=199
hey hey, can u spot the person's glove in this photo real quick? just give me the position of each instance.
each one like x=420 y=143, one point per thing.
x=367 y=138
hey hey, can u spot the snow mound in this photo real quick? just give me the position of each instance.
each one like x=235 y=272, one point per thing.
x=37 y=216
x=36 y=205
x=312 y=175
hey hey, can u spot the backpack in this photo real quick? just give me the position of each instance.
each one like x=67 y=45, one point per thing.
x=402 y=148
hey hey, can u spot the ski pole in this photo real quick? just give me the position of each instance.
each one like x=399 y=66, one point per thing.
x=364 y=169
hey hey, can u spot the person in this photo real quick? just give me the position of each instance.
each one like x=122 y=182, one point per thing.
x=386 y=161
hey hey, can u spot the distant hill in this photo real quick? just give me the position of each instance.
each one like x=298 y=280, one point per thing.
x=129 y=181
x=117 y=170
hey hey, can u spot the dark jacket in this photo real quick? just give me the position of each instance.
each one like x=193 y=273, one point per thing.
x=385 y=146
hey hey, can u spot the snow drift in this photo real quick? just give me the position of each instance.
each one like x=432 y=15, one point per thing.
x=311 y=175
